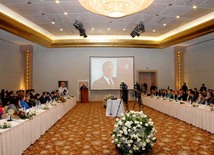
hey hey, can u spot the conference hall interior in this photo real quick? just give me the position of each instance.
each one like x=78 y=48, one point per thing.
x=107 y=77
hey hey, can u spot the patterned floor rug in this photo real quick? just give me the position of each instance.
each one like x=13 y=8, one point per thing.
x=85 y=130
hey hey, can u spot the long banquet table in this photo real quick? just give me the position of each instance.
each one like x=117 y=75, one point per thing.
x=200 y=116
x=13 y=141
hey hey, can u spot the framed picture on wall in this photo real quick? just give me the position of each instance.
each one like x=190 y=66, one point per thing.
x=66 y=84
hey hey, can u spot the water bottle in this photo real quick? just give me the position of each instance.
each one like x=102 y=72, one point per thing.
x=9 y=117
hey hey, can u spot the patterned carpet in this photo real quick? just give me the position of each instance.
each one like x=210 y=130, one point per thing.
x=85 y=130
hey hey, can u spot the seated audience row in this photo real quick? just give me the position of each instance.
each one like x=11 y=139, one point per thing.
x=24 y=99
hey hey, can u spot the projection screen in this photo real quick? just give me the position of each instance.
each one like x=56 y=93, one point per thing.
x=106 y=73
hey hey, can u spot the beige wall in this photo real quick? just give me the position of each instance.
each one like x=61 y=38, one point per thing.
x=199 y=64
x=72 y=64
x=11 y=66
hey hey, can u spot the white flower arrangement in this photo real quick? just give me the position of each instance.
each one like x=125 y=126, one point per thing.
x=53 y=103
x=133 y=133
x=31 y=113
x=194 y=104
x=5 y=125
x=44 y=107
x=109 y=96
x=24 y=114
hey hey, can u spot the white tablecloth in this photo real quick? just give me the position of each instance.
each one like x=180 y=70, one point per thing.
x=113 y=106
x=200 y=116
x=13 y=141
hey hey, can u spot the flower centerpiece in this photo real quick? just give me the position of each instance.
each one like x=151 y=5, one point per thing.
x=44 y=107
x=194 y=104
x=133 y=133
x=24 y=114
x=53 y=103
x=109 y=96
x=60 y=99
x=5 y=125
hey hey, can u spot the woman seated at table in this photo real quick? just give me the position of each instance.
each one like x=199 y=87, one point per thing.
x=37 y=100
x=1 y=112
x=29 y=101
x=23 y=103
x=175 y=94
x=201 y=99
x=14 y=104
x=169 y=94
x=209 y=98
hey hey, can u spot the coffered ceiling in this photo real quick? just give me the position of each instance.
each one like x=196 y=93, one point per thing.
x=167 y=22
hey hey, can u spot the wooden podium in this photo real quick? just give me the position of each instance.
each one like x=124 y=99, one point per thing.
x=84 y=95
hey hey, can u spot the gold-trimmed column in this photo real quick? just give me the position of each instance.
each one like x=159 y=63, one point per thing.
x=179 y=66
x=28 y=66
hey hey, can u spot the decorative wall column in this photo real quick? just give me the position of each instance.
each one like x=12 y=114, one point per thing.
x=28 y=66
x=179 y=66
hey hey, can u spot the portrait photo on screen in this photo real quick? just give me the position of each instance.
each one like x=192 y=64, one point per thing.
x=106 y=73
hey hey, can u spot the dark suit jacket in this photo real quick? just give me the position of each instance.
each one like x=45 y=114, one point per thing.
x=101 y=83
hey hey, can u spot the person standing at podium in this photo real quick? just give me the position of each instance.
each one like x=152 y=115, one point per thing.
x=84 y=94
x=83 y=87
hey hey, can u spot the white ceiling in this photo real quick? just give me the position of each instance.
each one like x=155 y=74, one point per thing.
x=43 y=12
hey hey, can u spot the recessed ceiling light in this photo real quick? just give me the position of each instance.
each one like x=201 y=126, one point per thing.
x=61 y=29
x=92 y=29
x=164 y=24
x=153 y=30
x=177 y=16
x=194 y=7
x=108 y=29
x=65 y=13
x=57 y=1
x=124 y=29
x=53 y=22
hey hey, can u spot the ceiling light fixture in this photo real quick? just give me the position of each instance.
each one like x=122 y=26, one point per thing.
x=115 y=8
x=194 y=7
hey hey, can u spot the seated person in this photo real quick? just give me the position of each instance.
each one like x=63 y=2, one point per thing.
x=43 y=98
x=169 y=94
x=1 y=112
x=23 y=103
x=208 y=98
x=14 y=105
x=29 y=101
x=201 y=99
x=36 y=100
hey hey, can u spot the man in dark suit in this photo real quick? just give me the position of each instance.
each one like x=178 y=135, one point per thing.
x=106 y=81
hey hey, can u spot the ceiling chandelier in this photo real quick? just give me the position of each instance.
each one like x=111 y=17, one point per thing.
x=115 y=8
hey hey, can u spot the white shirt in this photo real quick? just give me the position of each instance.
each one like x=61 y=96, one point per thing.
x=61 y=90
x=108 y=80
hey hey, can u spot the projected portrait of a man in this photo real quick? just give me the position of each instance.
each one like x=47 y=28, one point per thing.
x=107 y=80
